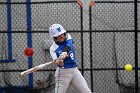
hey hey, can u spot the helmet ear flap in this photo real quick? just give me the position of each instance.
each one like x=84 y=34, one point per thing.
x=54 y=38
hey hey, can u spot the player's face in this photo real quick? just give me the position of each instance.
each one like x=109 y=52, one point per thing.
x=60 y=38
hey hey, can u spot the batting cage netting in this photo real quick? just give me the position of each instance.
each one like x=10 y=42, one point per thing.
x=106 y=38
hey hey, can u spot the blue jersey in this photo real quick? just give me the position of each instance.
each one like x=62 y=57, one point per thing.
x=57 y=49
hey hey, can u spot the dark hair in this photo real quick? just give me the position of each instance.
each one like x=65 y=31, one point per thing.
x=55 y=38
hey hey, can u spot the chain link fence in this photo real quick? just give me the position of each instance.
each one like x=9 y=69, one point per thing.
x=104 y=38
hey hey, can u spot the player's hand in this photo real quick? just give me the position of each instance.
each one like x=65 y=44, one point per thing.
x=63 y=55
x=59 y=62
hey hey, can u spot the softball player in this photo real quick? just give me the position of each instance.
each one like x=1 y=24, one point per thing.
x=66 y=72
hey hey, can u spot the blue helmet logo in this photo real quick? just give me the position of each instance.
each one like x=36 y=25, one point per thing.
x=58 y=29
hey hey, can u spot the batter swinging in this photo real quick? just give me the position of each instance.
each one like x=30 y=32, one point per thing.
x=66 y=72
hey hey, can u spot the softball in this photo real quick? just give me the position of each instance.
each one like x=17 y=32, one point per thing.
x=128 y=67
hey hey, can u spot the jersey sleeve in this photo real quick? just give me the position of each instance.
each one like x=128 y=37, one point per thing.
x=53 y=54
x=69 y=41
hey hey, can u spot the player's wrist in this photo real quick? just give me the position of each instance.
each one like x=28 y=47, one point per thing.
x=59 y=62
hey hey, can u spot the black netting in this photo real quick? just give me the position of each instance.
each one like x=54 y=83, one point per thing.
x=101 y=51
x=138 y=16
x=113 y=16
x=67 y=14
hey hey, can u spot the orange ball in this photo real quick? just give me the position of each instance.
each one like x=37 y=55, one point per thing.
x=28 y=52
